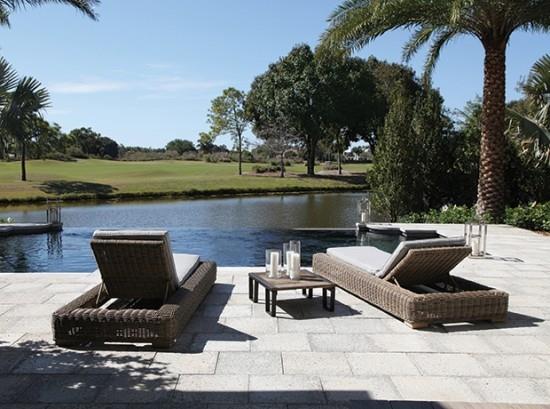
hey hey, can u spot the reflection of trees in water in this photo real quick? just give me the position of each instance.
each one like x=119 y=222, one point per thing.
x=55 y=244
x=13 y=256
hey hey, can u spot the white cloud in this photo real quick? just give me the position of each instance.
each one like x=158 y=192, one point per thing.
x=87 y=87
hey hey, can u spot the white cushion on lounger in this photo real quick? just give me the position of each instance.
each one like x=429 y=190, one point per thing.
x=366 y=258
x=185 y=265
x=404 y=247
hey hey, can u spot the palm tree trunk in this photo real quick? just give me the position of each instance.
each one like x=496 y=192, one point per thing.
x=240 y=155
x=23 y=157
x=492 y=185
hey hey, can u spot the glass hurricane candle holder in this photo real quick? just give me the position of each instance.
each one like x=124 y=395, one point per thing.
x=475 y=234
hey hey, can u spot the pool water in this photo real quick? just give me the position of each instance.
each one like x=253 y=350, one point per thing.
x=232 y=231
x=70 y=250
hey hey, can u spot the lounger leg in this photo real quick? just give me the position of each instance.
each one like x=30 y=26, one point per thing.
x=310 y=293
x=267 y=300
x=304 y=291
x=325 y=304
x=417 y=325
x=332 y=298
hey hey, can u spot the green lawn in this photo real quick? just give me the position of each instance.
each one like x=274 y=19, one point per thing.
x=105 y=179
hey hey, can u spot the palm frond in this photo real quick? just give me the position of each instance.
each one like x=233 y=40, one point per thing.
x=88 y=7
x=533 y=134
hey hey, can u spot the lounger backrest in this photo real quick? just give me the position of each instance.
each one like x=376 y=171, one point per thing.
x=427 y=265
x=405 y=246
x=135 y=264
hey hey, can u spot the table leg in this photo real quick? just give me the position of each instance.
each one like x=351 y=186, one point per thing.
x=310 y=293
x=332 y=298
x=325 y=306
x=266 y=300
x=273 y=303
x=256 y=284
x=250 y=288
x=303 y=291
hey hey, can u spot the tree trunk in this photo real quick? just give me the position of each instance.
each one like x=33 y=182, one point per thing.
x=240 y=155
x=311 y=157
x=282 y=164
x=23 y=157
x=339 y=161
x=492 y=185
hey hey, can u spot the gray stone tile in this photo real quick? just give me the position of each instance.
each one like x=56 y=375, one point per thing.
x=281 y=342
x=138 y=389
x=4 y=308
x=510 y=366
x=202 y=324
x=249 y=363
x=228 y=311
x=509 y=390
x=73 y=288
x=434 y=388
x=25 y=324
x=474 y=344
x=342 y=343
x=10 y=358
x=52 y=361
x=62 y=298
x=19 y=288
x=374 y=364
x=361 y=326
x=315 y=363
x=37 y=311
x=319 y=325
x=251 y=326
x=114 y=362
x=247 y=406
x=518 y=344
x=64 y=388
x=401 y=342
x=182 y=363
x=347 y=388
x=285 y=389
x=212 y=388
x=220 y=342
x=11 y=386
x=447 y=364
x=8 y=338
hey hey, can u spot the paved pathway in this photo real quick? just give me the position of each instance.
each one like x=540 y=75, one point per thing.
x=233 y=353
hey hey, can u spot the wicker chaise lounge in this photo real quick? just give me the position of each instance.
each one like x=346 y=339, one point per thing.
x=414 y=283
x=147 y=294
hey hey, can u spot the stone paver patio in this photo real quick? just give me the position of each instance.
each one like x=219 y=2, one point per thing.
x=233 y=353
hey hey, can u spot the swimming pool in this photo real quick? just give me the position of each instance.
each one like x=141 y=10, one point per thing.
x=70 y=250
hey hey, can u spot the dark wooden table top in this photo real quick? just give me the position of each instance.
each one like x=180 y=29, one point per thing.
x=307 y=280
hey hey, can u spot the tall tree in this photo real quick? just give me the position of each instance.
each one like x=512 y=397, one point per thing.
x=7 y=7
x=27 y=100
x=357 y=22
x=227 y=116
x=393 y=180
x=290 y=89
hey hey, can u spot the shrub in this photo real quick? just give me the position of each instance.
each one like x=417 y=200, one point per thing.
x=330 y=166
x=59 y=156
x=447 y=215
x=272 y=168
x=6 y=220
x=190 y=155
x=532 y=217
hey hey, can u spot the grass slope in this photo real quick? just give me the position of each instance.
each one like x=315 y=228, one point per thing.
x=89 y=179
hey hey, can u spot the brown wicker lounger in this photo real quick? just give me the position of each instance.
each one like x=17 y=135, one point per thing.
x=141 y=298
x=419 y=289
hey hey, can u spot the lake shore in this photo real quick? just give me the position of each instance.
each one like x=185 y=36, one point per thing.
x=100 y=180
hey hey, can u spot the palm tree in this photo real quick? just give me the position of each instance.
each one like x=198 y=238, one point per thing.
x=532 y=125
x=9 y=6
x=23 y=104
x=436 y=22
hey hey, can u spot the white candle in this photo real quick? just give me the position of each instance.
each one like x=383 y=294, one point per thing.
x=289 y=262
x=274 y=265
x=295 y=270
x=363 y=217
x=475 y=247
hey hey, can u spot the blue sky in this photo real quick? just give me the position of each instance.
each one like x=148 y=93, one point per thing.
x=145 y=73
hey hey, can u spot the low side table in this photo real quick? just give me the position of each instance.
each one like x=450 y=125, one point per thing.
x=307 y=283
